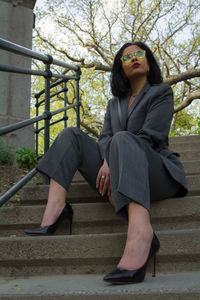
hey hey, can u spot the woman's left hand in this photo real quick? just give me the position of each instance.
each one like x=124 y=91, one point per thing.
x=103 y=178
x=110 y=196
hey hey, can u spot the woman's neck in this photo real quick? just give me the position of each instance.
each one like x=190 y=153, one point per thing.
x=137 y=85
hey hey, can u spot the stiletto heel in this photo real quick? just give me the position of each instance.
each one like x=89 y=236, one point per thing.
x=123 y=276
x=66 y=213
x=154 y=266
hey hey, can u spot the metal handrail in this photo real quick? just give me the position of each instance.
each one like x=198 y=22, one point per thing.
x=24 y=123
x=47 y=115
x=17 y=49
x=13 y=69
x=13 y=190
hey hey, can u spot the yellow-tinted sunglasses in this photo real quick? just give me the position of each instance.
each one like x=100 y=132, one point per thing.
x=139 y=54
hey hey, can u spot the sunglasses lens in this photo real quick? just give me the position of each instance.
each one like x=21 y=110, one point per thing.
x=127 y=57
x=140 y=53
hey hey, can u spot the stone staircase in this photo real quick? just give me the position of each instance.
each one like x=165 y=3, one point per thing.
x=69 y=267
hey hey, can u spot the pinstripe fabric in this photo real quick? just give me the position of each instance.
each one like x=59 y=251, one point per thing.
x=135 y=144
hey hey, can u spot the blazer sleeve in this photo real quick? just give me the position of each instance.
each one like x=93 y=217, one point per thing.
x=106 y=134
x=159 y=115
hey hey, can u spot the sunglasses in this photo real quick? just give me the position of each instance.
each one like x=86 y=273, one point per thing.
x=126 y=58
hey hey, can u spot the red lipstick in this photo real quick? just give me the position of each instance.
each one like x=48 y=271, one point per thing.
x=136 y=65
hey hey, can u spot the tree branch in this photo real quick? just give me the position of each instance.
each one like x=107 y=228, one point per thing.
x=187 y=101
x=89 y=129
x=183 y=76
x=59 y=50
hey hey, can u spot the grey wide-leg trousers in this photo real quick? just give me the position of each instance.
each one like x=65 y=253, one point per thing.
x=136 y=170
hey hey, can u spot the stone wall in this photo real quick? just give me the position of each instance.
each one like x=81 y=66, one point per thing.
x=16 y=24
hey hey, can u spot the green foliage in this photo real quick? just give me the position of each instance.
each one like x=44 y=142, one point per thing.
x=96 y=29
x=197 y=131
x=26 y=158
x=6 y=154
x=185 y=124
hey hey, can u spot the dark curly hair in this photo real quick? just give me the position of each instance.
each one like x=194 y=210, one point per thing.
x=119 y=85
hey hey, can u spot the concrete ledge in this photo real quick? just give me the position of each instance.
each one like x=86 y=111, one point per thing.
x=93 y=253
x=186 y=207
x=82 y=192
x=163 y=287
x=184 y=138
x=180 y=146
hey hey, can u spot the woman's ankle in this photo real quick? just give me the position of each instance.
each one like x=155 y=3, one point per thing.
x=52 y=213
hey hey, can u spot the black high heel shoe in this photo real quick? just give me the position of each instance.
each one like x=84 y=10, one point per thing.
x=66 y=213
x=123 y=276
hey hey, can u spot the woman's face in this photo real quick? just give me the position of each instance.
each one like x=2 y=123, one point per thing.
x=137 y=65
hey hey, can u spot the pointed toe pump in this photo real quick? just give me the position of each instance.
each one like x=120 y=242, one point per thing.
x=66 y=213
x=123 y=276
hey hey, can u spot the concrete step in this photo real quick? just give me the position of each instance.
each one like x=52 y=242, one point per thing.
x=82 y=192
x=183 y=146
x=79 y=192
x=179 y=213
x=92 y=253
x=190 y=155
x=193 y=182
x=192 y=167
x=183 y=139
x=180 y=286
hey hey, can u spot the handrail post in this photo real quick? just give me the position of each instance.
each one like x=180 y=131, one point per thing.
x=65 y=103
x=78 y=103
x=47 y=109
x=47 y=103
x=47 y=114
x=36 y=126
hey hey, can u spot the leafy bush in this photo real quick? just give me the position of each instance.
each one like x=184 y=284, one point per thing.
x=7 y=156
x=26 y=158
x=197 y=131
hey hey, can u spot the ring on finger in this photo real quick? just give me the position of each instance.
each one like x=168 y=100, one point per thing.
x=102 y=176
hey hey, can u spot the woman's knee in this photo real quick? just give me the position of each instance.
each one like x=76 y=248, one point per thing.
x=69 y=132
x=122 y=137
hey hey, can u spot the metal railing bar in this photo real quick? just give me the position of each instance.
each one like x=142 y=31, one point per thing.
x=51 y=96
x=64 y=76
x=11 y=192
x=53 y=123
x=17 y=49
x=54 y=113
x=65 y=65
x=65 y=103
x=78 y=103
x=21 y=124
x=48 y=73
x=12 y=47
x=13 y=69
x=57 y=111
x=37 y=95
x=39 y=103
x=57 y=93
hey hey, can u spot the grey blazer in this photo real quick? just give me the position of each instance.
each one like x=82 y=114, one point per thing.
x=149 y=118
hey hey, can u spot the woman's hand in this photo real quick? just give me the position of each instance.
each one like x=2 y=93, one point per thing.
x=110 y=196
x=103 y=179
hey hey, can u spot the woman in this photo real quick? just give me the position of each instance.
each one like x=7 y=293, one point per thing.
x=130 y=163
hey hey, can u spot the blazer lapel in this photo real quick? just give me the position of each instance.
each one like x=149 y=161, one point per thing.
x=123 y=110
x=139 y=97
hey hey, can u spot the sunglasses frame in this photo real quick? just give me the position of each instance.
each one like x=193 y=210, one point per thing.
x=135 y=54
